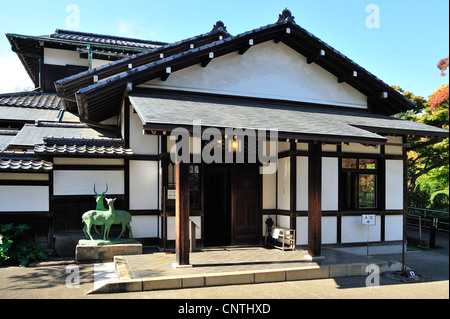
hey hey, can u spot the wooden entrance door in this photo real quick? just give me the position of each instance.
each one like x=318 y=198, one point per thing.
x=246 y=221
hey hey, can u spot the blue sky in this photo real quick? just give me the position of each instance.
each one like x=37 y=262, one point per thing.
x=411 y=38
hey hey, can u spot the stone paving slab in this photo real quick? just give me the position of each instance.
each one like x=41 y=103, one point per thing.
x=231 y=266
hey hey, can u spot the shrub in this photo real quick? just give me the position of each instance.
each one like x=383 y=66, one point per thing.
x=15 y=249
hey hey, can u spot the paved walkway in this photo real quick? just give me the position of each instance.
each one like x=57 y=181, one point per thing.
x=225 y=266
x=216 y=260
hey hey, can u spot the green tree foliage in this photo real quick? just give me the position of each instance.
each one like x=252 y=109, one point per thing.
x=15 y=249
x=428 y=157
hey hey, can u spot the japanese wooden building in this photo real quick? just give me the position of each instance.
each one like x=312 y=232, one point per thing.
x=104 y=108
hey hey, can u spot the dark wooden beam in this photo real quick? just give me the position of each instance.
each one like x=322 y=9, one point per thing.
x=315 y=199
x=282 y=35
x=166 y=75
x=182 y=214
x=374 y=99
x=208 y=59
x=316 y=56
x=347 y=76
x=246 y=47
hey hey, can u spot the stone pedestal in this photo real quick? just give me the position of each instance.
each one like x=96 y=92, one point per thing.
x=86 y=252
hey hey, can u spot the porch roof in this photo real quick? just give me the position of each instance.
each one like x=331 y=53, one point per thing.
x=159 y=111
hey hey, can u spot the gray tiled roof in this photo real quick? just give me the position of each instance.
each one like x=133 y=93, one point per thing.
x=35 y=114
x=106 y=40
x=32 y=100
x=6 y=136
x=34 y=106
x=82 y=150
x=31 y=134
x=238 y=113
x=94 y=147
x=23 y=162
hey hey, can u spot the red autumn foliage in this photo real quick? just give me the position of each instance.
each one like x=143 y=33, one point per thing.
x=438 y=97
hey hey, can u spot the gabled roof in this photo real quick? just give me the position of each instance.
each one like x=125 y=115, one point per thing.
x=30 y=48
x=67 y=87
x=98 y=101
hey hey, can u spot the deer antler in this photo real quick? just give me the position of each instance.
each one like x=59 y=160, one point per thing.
x=95 y=191
x=106 y=189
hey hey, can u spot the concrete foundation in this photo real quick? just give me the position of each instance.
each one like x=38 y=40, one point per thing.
x=105 y=253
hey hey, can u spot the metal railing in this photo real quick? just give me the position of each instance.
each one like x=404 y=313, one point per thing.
x=432 y=220
x=423 y=218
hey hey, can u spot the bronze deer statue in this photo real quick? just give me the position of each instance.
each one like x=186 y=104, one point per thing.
x=121 y=217
x=103 y=218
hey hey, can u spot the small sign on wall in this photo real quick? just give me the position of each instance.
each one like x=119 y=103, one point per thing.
x=368 y=219
x=171 y=194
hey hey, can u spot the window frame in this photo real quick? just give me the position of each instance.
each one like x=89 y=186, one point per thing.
x=355 y=174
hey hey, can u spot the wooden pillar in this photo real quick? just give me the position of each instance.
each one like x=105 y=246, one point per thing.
x=182 y=214
x=315 y=200
x=293 y=184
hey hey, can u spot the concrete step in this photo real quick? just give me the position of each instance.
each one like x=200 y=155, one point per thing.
x=125 y=283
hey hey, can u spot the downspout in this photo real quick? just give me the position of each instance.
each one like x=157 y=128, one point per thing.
x=89 y=52
x=36 y=56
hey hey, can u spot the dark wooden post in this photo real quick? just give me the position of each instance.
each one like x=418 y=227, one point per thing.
x=293 y=185
x=182 y=214
x=314 y=200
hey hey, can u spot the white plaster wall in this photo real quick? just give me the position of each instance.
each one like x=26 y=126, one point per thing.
x=269 y=200
x=171 y=234
x=283 y=221
x=394 y=184
x=197 y=220
x=283 y=146
x=302 y=183
x=329 y=148
x=87 y=161
x=359 y=148
x=24 y=176
x=393 y=227
x=393 y=149
x=267 y=70
x=353 y=231
x=330 y=183
x=141 y=144
x=329 y=230
x=194 y=145
x=24 y=198
x=144 y=226
x=144 y=181
x=63 y=57
x=283 y=184
x=82 y=182
x=96 y=63
x=301 y=232
x=171 y=231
